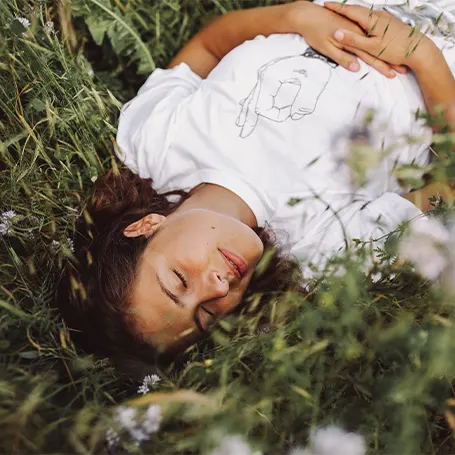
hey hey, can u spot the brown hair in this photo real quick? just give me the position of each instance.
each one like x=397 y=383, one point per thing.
x=94 y=286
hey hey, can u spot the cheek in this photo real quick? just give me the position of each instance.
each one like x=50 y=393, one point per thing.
x=194 y=248
x=234 y=301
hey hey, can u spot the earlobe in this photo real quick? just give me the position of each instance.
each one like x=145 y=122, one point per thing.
x=147 y=226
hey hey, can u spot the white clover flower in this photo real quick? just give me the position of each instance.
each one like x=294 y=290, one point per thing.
x=233 y=445
x=301 y=452
x=427 y=246
x=432 y=228
x=149 y=380
x=138 y=428
x=138 y=435
x=152 y=419
x=125 y=417
x=333 y=440
x=24 y=21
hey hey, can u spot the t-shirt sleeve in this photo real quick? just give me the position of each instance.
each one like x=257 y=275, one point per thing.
x=371 y=221
x=148 y=122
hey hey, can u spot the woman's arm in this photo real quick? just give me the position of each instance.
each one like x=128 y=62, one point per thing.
x=400 y=44
x=203 y=52
x=315 y=23
x=438 y=88
x=420 y=198
x=437 y=84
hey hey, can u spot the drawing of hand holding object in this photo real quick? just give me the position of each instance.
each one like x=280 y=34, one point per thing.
x=287 y=87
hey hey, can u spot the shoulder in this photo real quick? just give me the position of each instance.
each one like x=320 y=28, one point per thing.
x=146 y=122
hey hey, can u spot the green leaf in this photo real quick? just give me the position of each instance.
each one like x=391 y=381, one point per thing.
x=98 y=27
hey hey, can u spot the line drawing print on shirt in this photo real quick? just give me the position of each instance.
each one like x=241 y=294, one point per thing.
x=286 y=87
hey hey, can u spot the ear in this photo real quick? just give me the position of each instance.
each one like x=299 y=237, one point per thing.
x=147 y=226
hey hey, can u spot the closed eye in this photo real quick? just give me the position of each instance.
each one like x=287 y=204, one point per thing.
x=181 y=277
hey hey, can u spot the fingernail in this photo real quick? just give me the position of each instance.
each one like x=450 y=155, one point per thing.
x=339 y=35
x=354 y=66
x=392 y=73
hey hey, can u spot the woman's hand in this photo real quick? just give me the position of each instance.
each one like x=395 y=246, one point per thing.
x=387 y=37
x=318 y=26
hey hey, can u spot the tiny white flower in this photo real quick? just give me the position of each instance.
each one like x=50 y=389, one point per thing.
x=152 y=419
x=429 y=261
x=24 y=21
x=261 y=330
x=333 y=440
x=129 y=423
x=5 y=216
x=90 y=72
x=143 y=389
x=432 y=228
x=125 y=417
x=233 y=445
x=153 y=379
x=6 y=222
x=112 y=438
x=55 y=246
x=301 y=452
x=49 y=26
x=149 y=380
x=70 y=244
x=138 y=435
x=94 y=178
x=426 y=246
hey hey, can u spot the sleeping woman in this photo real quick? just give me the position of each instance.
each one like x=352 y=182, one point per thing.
x=245 y=138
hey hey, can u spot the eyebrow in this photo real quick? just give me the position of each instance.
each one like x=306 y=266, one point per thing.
x=169 y=293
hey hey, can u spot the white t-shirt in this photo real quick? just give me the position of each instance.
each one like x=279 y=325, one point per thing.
x=270 y=123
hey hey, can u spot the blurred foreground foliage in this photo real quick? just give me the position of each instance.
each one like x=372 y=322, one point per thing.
x=372 y=355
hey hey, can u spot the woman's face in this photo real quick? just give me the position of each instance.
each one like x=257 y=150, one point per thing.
x=186 y=275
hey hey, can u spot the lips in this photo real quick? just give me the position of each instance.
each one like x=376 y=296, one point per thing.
x=236 y=262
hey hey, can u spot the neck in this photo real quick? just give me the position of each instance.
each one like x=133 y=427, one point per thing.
x=214 y=197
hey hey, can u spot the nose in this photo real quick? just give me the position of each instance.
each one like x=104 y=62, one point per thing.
x=215 y=286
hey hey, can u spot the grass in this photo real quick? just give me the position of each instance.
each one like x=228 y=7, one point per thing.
x=377 y=358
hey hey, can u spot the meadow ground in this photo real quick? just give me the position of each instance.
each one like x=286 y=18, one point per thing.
x=375 y=356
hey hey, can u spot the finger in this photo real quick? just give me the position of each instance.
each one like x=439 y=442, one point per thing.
x=355 y=40
x=356 y=13
x=400 y=69
x=379 y=65
x=348 y=61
